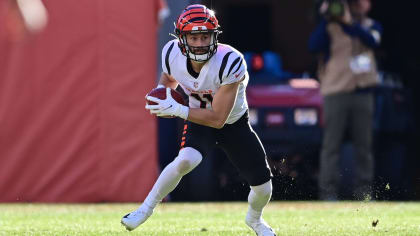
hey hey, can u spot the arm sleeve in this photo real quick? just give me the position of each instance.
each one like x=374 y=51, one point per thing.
x=167 y=55
x=319 y=39
x=367 y=36
x=234 y=70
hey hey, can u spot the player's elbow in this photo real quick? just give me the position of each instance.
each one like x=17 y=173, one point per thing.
x=217 y=119
x=219 y=125
x=221 y=120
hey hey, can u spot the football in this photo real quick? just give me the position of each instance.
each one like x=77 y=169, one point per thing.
x=161 y=94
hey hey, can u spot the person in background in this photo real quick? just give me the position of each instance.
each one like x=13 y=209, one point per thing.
x=345 y=40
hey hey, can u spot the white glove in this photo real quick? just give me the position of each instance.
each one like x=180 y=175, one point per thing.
x=167 y=107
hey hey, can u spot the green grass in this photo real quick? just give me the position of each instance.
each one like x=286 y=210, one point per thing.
x=287 y=218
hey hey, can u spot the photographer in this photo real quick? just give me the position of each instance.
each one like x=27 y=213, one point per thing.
x=345 y=39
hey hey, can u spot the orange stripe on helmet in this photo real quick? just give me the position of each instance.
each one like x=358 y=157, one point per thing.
x=195 y=16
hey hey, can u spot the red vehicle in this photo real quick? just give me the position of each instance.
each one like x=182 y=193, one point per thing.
x=287 y=117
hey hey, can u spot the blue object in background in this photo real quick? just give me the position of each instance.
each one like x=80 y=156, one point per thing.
x=272 y=63
x=272 y=70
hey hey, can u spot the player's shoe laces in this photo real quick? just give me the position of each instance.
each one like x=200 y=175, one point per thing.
x=134 y=219
x=260 y=227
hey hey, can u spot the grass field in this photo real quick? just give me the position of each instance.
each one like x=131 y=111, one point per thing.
x=287 y=218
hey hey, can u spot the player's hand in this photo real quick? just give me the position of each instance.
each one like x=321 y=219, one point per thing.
x=167 y=107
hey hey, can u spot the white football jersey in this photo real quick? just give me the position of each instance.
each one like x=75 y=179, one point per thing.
x=226 y=66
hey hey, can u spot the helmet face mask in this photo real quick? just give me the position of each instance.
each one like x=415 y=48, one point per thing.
x=200 y=53
x=197 y=19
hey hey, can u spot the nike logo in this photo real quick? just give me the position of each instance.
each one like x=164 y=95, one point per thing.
x=167 y=108
x=237 y=75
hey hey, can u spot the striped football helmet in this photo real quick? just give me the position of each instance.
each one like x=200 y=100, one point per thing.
x=197 y=19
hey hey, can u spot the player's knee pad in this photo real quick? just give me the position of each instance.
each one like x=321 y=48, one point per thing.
x=187 y=159
x=264 y=189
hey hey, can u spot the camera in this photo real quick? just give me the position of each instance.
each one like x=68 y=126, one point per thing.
x=335 y=9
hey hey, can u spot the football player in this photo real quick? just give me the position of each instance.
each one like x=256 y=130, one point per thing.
x=214 y=76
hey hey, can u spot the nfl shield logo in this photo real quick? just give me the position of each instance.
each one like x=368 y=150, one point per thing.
x=195 y=84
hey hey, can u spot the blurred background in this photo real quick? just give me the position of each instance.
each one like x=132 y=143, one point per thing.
x=73 y=76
